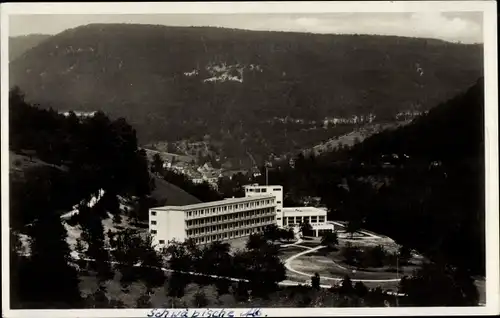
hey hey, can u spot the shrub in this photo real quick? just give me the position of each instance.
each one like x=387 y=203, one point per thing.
x=352 y=254
x=117 y=219
x=200 y=299
x=374 y=256
x=360 y=289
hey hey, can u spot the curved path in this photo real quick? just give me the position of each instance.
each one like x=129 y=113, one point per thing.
x=299 y=240
x=310 y=250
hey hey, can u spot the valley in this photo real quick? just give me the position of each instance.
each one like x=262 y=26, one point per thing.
x=162 y=166
x=276 y=94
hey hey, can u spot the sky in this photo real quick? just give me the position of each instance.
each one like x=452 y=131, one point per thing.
x=466 y=27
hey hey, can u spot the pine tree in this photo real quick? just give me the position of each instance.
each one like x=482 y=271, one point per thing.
x=315 y=281
x=93 y=234
x=346 y=285
x=53 y=280
x=157 y=164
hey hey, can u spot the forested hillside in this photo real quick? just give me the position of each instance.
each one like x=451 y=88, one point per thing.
x=252 y=92
x=422 y=184
x=79 y=156
x=18 y=45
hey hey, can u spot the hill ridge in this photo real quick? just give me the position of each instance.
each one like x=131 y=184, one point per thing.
x=141 y=72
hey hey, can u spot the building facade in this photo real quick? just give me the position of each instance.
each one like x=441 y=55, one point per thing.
x=232 y=218
x=274 y=190
x=293 y=217
x=212 y=221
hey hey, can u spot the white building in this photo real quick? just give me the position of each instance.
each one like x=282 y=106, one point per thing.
x=79 y=114
x=232 y=218
x=293 y=217
x=212 y=221
x=276 y=191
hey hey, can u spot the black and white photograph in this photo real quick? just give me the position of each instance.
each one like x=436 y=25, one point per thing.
x=234 y=161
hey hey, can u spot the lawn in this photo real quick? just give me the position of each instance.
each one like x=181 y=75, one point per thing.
x=287 y=252
x=330 y=264
x=311 y=243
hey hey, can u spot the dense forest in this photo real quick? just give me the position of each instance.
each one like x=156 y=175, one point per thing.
x=421 y=184
x=81 y=157
x=60 y=162
x=176 y=83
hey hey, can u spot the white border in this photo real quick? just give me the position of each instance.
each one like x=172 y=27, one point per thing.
x=491 y=133
x=247 y=7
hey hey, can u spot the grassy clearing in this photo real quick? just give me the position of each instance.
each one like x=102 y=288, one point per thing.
x=20 y=162
x=287 y=252
x=331 y=263
x=171 y=193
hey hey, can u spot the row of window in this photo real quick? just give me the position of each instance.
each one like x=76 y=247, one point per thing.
x=290 y=220
x=229 y=226
x=229 y=217
x=226 y=235
x=257 y=190
x=261 y=190
x=226 y=208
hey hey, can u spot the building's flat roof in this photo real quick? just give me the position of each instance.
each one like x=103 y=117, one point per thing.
x=213 y=203
x=263 y=186
x=302 y=209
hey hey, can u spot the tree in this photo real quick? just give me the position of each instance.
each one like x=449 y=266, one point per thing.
x=200 y=299
x=404 y=254
x=116 y=303
x=290 y=234
x=315 y=281
x=262 y=267
x=353 y=226
x=98 y=299
x=352 y=254
x=183 y=256
x=346 y=286
x=376 y=297
x=18 y=265
x=374 y=256
x=110 y=203
x=330 y=240
x=360 y=289
x=171 y=148
x=117 y=219
x=216 y=259
x=306 y=228
x=177 y=283
x=144 y=301
x=93 y=234
x=256 y=241
x=150 y=271
x=157 y=164
x=130 y=249
x=271 y=232
x=49 y=265
x=79 y=248
x=437 y=284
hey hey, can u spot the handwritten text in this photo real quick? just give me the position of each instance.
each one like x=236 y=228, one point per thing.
x=216 y=312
